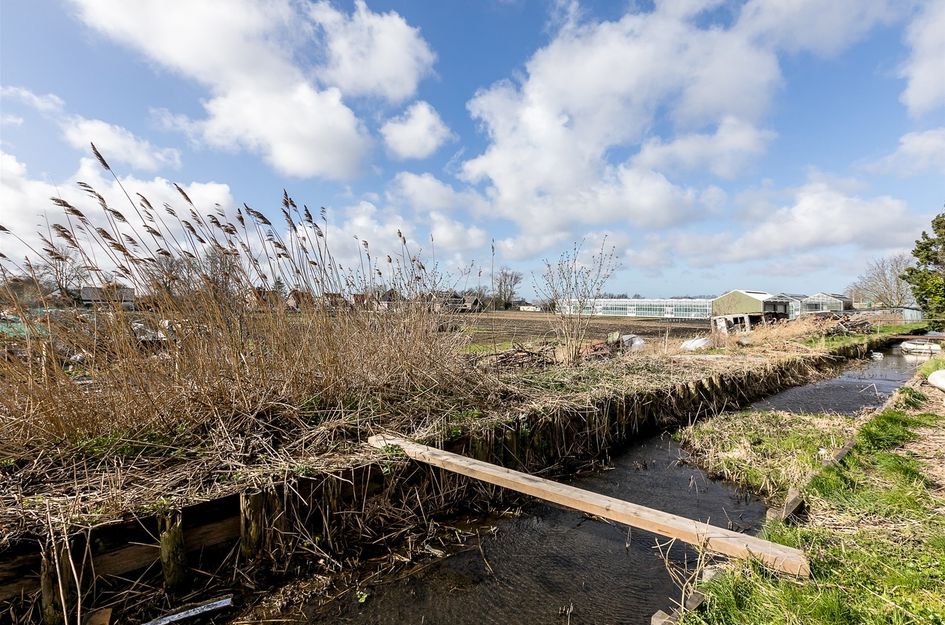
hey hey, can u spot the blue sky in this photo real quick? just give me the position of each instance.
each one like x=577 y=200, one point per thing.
x=716 y=144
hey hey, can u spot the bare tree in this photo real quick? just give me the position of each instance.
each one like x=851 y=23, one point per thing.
x=573 y=286
x=64 y=269
x=882 y=282
x=506 y=284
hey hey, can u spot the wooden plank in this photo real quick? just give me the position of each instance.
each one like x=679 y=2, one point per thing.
x=716 y=539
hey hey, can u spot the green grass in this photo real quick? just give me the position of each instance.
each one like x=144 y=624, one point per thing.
x=930 y=366
x=829 y=342
x=875 y=539
x=488 y=348
x=766 y=451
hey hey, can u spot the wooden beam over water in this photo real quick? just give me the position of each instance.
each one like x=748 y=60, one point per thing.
x=727 y=542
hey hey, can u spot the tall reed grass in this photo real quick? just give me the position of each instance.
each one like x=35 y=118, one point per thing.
x=209 y=341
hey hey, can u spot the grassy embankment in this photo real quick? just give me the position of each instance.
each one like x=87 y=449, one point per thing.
x=875 y=533
x=881 y=331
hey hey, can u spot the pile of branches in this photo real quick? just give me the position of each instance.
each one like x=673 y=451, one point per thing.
x=519 y=357
x=846 y=325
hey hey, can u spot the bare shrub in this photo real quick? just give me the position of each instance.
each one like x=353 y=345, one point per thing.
x=573 y=285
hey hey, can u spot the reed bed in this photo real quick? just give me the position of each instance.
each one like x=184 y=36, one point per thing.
x=210 y=373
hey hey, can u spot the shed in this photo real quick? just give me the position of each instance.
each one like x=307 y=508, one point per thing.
x=740 y=301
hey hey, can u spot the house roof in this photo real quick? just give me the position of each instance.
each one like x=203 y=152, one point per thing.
x=797 y=296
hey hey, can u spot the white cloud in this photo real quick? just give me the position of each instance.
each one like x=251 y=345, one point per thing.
x=418 y=133
x=300 y=130
x=48 y=103
x=822 y=216
x=118 y=144
x=824 y=28
x=918 y=152
x=925 y=68
x=450 y=235
x=426 y=192
x=422 y=191
x=371 y=53
x=11 y=120
x=598 y=88
x=243 y=51
x=724 y=153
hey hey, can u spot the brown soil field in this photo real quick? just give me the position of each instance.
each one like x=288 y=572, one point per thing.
x=522 y=327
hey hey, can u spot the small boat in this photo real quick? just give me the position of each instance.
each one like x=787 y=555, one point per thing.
x=920 y=346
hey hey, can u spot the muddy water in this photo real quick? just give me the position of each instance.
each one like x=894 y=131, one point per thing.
x=551 y=565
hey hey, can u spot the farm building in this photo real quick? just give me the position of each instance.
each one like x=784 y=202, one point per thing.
x=660 y=308
x=471 y=303
x=826 y=302
x=795 y=303
x=104 y=295
x=741 y=301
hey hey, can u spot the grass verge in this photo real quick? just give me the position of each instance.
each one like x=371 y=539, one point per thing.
x=875 y=536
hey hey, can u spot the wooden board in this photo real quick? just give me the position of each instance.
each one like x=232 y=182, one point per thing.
x=716 y=539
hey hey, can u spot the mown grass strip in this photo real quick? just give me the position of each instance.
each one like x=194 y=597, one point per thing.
x=876 y=540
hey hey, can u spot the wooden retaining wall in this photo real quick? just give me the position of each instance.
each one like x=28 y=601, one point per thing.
x=308 y=524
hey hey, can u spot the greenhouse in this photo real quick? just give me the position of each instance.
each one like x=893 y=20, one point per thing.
x=824 y=302
x=661 y=308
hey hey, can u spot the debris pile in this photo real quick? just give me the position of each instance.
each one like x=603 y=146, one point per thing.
x=616 y=343
x=846 y=325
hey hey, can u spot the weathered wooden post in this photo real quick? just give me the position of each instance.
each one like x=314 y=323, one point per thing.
x=277 y=523
x=56 y=584
x=173 y=551
x=252 y=522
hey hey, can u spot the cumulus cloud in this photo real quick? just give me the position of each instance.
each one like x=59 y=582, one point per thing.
x=418 y=133
x=724 y=153
x=118 y=144
x=455 y=236
x=918 y=152
x=599 y=88
x=261 y=99
x=925 y=68
x=426 y=192
x=820 y=216
x=371 y=53
x=27 y=206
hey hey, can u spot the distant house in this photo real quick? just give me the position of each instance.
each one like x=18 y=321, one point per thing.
x=262 y=298
x=108 y=295
x=529 y=308
x=388 y=299
x=335 y=301
x=447 y=301
x=364 y=300
x=471 y=303
x=297 y=300
x=826 y=302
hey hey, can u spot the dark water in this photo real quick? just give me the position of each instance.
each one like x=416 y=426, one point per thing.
x=552 y=565
x=864 y=384
x=551 y=558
